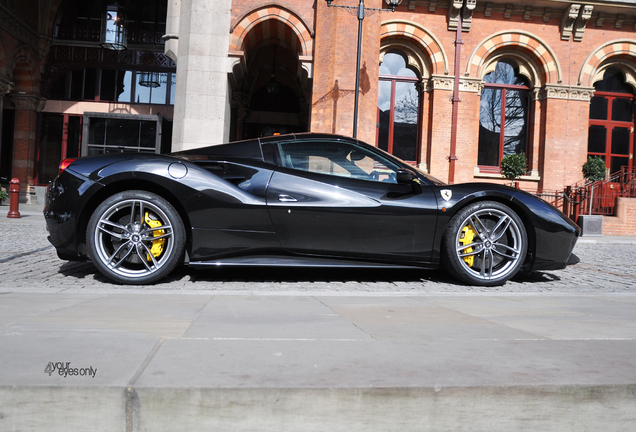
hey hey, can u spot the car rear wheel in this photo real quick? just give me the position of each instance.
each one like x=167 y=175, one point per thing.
x=135 y=237
x=485 y=244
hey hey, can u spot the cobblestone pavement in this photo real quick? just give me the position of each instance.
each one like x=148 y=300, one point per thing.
x=28 y=263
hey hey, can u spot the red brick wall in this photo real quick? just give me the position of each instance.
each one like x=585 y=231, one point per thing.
x=624 y=223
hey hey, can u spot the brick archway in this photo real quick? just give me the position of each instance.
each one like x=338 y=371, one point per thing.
x=422 y=38
x=24 y=70
x=603 y=55
x=515 y=39
x=294 y=33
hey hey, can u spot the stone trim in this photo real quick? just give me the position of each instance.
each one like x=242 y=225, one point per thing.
x=600 y=56
x=555 y=91
x=507 y=39
x=28 y=102
x=424 y=40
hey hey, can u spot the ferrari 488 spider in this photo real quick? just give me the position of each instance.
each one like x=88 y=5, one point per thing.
x=295 y=200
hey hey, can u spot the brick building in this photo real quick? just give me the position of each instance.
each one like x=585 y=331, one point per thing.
x=208 y=71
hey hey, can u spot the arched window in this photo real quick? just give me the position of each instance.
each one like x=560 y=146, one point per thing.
x=611 y=132
x=398 y=108
x=503 y=115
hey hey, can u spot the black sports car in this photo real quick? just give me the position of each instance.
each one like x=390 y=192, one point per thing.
x=295 y=200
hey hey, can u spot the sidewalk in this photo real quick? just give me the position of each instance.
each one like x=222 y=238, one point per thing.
x=200 y=362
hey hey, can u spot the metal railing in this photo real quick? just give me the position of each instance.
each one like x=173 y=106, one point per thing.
x=593 y=198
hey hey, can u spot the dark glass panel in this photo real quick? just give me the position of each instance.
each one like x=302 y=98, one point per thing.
x=77 y=84
x=618 y=163
x=50 y=147
x=90 y=80
x=108 y=83
x=613 y=81
x=58 y=88
x=74 y=137
x=97 y=133
x=622 y=110
x=620 y=141
x=596 y=139
x=122 y=132
x=598 y=108
x=148 y=135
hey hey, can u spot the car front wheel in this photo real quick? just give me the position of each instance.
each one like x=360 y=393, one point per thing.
x=485 y=244
x=135 y=237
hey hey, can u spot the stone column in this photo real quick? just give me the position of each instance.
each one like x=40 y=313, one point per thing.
x=203 y=97
x=24 y=145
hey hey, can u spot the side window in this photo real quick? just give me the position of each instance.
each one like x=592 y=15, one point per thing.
x=337 y=159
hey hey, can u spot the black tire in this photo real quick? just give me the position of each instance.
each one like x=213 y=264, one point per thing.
x=484 y=244
x=125 y=247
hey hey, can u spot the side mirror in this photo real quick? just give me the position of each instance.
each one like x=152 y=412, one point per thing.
x=404 y=176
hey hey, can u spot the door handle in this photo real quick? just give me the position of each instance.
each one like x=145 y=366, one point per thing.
x=286 y=198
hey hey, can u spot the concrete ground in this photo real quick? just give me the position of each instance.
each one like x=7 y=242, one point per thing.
x=247 y=353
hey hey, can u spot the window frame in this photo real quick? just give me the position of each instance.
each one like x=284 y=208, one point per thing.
x=394 y=80
x=502 y=137
x=377 y=158
x=86 y=124
x=610 y=124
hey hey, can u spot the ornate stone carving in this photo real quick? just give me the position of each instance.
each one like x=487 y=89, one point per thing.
x=527 y=13
x=6 y=86
x=601 y=19
x=620 y=18
x=472 y=85
x=440 y=82
x=488 y=9
x=555 y=91
x=466 y=8
x=508 y=11
x=547 y=14
x=581 y=22
x=28 y=102
x=454 y=10
x=467 y=14
x=568 y=20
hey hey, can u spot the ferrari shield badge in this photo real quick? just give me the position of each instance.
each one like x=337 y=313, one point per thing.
x=446 y=194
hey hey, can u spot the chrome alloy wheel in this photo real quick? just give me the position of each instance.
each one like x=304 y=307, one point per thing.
x=489 y=244
x=133 y=238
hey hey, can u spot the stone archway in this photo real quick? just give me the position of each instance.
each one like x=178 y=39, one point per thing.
x=271 y=75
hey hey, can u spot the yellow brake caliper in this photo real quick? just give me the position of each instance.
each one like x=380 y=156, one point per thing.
x=466 y=237
x=157 y=245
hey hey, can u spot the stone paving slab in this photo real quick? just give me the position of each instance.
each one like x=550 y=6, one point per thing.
x=347 y=350
x=242 y=363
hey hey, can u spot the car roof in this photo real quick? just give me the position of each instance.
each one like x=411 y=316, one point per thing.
x=251 y=148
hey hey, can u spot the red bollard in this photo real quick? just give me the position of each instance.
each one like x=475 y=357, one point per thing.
x=14 y=193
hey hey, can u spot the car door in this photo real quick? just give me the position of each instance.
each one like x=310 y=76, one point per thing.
x=338 y=198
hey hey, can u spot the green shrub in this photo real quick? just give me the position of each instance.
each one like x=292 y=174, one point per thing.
x=514 y=165
x=594 y=169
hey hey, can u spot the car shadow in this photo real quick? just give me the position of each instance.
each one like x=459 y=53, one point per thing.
x=82 y=270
